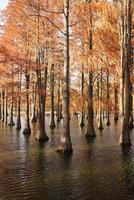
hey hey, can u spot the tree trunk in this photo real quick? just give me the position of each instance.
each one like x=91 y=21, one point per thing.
x=18 y=125
x=82 y=95
x=0 y=107
x=34 y=117
x=59 y=97
x=90 y=125
x=131 y=122
x=42 y=136
x=122 y=61
x=126 y=139
x=6 y=117
x=11 y=123
x=108 y=114
x=65 y=141
x=100 y=123
x=3 y=105
x=27 y=129
x=52 y=121
x=116 y=114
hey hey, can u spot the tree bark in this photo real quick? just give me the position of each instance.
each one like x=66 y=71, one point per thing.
x=3 y=105
x=18 y=125
x=11 y=123
x=90 y=125
x=100 y=123
x=116 y=114
x=42 y=136
x=82 y=95
x=126 y=139
x=27 y=129
x=52 y=120
x=65 y=141
x=108 y=87
x=59 y=98
x=34 y=117
x=131 y=122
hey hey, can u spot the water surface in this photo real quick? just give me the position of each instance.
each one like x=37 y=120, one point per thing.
x=97 y=170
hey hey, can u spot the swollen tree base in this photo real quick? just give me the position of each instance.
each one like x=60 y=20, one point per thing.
x=27 y=130
x=65 y=144
x=11 y=123
x=116 y=118
x=108 y=123
x=126 y=144
x=65 y=151
x=34 y=120
x=126 y=138
x=90 y=136
x=82 y=124
x=52 y=125
x=42 y=137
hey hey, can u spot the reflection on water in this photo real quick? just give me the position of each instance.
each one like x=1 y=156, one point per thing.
x=99 y=169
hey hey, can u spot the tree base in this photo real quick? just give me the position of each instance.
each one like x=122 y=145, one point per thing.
x=100 y=128
x=27 y=131
x=42 y=138
x=18 y=127
x=90 y=136
x=52 y=126
x=34 y=120
x=131 y=125
x=58 y=119
x=63 y=151
x=116 y=118
x=126 y=144
x=11 y=124
x=82 y=124
x=108 y=123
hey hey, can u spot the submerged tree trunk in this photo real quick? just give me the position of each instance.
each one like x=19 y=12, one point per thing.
x=126 y=139
x=116 y=114
x=42 y=136
x=0 y=106
x=52 y=121
x=65 y=141
x=82 y=96
x=108 y=114
x=90 y=123
x=100 y=123
x=3 y=105
x=59 y=98
x=18 y=125
x=27 y=129
x=6 y=106
x=131 y=120
x=6 y=117
x=34 y=117
x=122 y=60
x=11 y=123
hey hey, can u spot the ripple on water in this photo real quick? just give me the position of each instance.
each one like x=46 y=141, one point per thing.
x=97 y=170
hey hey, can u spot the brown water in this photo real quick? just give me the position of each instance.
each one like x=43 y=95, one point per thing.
x=97 y=170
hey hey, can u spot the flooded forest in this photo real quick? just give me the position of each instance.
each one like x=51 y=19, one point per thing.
x=66 y=100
